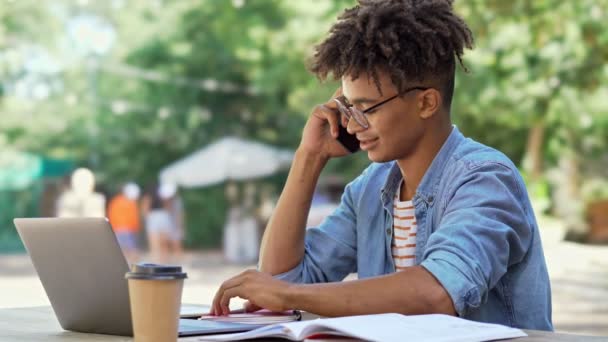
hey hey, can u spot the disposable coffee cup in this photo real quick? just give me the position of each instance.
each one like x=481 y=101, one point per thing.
x=155 y=295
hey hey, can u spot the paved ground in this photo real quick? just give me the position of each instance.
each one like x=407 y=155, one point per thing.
x=579 y=279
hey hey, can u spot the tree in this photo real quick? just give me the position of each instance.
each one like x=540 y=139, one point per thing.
x=182 y=74
x=538 y=67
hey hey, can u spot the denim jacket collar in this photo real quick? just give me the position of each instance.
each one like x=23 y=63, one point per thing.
x=427 y=188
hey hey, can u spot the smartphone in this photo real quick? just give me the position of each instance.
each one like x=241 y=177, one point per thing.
x=348 y=140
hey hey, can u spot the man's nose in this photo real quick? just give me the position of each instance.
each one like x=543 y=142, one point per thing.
x=353 y=126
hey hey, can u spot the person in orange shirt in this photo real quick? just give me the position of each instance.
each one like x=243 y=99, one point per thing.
x=123 y=213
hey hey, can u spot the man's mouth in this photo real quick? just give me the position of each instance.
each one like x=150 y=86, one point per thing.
x=367 y=144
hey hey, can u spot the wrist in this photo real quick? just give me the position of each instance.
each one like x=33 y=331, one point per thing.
x=290 y=297
x=311 y=159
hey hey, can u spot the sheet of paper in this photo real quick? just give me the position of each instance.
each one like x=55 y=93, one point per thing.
x=426 y=328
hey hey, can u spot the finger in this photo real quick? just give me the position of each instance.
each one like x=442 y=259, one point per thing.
x=228 y=284
x=334 y=124
x=332 y=117
x=248 y=306
x=343 y=120
x=225 y=299
x=331 y=104
x=215 y=306
x=215 y=303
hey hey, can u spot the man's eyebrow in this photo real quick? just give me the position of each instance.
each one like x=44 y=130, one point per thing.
x=361 y=100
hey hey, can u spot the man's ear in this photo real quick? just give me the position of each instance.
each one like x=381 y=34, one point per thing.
x=429 y=102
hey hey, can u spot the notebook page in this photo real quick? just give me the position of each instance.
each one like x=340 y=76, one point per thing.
x=293 y=331
x=425 y=328
x=275 y=330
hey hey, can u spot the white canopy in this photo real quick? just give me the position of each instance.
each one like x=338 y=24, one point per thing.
x=229 y=158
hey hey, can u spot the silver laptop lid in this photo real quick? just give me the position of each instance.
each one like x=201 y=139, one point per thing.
x=82 y=268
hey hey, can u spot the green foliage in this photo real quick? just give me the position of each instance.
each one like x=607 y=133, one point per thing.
x=22 y=203
x=185 y=73
x=536 y=62
x=595 y=189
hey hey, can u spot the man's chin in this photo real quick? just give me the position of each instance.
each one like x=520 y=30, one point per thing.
x=377 y=157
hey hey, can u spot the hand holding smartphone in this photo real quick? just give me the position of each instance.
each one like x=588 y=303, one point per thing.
x=316 y=130
x=348 y=140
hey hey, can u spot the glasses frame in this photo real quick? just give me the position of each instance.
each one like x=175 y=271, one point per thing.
x=348 y=110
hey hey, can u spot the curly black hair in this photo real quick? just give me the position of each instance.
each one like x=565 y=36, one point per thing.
x=416 y=42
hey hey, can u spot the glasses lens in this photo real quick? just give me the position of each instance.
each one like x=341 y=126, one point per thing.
x=350 y=111
x=343 y=109
x=359 y=117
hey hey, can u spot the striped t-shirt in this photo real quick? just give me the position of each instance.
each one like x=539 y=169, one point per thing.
x=404 y=233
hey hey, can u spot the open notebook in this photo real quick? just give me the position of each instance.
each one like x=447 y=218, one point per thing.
x=383 y=327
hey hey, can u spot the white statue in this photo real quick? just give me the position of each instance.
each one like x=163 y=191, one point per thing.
x=81 y=200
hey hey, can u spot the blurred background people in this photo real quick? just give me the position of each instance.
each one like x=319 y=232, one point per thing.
x=163 y=213
x=168 y=192
x=241 y=233
x=123 y=213
x=155 y=211
x=81 y=200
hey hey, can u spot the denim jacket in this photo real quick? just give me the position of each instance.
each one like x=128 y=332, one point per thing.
x=477 y=235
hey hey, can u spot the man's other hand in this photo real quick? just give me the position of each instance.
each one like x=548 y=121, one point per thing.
x=260 y=289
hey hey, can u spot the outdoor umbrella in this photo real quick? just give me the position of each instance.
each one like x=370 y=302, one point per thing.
x=18 y=170
x=229 y=158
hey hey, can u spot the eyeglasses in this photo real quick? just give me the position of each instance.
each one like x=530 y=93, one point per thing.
x=348 y=110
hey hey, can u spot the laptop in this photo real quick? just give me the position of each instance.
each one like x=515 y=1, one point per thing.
x=82 y=269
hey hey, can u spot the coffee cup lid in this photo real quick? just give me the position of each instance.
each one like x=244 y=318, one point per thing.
x=155 y=272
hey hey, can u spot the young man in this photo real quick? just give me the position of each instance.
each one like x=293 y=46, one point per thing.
x=438 y=223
